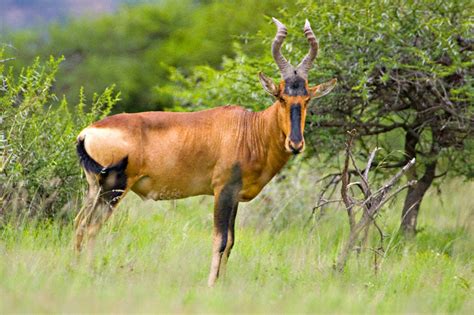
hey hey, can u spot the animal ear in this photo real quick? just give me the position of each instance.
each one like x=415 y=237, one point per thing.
x=322 y=89
x=269 y=85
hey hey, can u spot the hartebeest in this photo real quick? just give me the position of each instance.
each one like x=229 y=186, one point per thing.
x=228 y=152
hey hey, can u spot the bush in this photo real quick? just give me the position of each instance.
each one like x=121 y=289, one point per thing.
x=39 y=172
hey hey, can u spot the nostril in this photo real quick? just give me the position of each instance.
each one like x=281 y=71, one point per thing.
x=296 y=147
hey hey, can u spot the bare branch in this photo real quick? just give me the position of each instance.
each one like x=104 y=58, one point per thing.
x=397 y=176
x=396 y=192
x=369 y=163
x=371 y=205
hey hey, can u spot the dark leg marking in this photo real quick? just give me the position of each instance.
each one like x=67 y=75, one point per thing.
x=113 y=182
x=226 y=203
x=231 y=229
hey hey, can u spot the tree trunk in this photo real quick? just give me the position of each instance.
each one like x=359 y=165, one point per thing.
x=416 y=192
x=413 y=199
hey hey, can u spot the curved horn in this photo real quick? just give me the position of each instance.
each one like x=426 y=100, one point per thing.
x=285 y=68
x=307 y=62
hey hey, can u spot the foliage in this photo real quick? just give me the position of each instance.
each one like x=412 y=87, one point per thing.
x=235 y=83
x=133 y=47
x=39 y=172
x=403 y=67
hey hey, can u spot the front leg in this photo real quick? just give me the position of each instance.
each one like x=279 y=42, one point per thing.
x=225 y=208
x=230 y=241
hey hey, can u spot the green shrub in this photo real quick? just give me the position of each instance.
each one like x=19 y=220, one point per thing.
x=39 y=172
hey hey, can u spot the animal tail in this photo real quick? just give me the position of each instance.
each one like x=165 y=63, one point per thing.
x=90 y=165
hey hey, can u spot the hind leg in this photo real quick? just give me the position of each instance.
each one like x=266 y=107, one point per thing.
x=99 y=216
x=101 y=200
x=83 y=218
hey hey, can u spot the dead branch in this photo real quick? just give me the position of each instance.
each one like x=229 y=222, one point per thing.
x=322 y=201
x=371 y=204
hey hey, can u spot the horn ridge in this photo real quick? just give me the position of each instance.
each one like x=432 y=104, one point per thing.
x=286 y=69
x=308 y=60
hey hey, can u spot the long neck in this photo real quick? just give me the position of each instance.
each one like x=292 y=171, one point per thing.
x=271 y=140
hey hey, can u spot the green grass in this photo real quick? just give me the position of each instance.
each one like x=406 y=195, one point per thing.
x=154 y=257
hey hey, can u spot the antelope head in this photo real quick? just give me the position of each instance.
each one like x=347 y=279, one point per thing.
x=293 y=93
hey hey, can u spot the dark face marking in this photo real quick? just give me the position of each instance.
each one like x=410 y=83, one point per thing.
x=295 y=117
x=226 y=203
x=295 y=86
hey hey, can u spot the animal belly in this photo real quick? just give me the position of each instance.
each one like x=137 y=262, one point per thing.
x=163 y=189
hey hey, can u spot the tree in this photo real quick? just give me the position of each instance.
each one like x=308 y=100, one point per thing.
x=406 y=74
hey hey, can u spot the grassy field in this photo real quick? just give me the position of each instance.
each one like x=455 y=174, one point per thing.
x=154 y=257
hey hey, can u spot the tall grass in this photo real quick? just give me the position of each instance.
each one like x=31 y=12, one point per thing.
x=154 y=257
